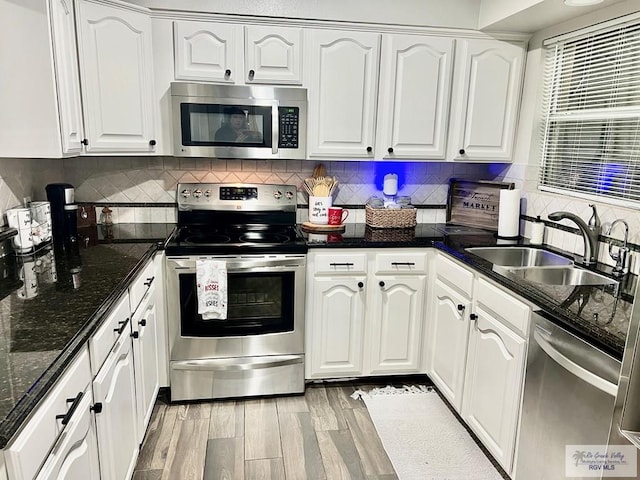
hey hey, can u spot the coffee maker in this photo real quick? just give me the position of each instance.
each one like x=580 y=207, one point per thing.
x=64 y=213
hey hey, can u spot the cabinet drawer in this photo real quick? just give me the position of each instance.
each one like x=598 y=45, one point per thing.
x=103 y=339
x=401 y=262
x=511 y=311
x=32 y=445
x=341 y=263
x=140 y=286
x=454 y=275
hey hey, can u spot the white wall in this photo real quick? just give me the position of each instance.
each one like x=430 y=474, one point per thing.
x=435 y=13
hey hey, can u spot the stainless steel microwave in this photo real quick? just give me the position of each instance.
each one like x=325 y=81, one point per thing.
x=229 y=121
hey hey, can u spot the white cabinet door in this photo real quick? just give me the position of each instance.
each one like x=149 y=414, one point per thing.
x=273 y=55
x=486 y=99
x=116 y=68
x=448 y=336
x=337 y=326
x=396 y=329
x=493 y=385
x=207 y=51
x=343 y=90
x=145 y=354
x=67 y=77
x=114 y=391
x=75 y=455
x=415 y=88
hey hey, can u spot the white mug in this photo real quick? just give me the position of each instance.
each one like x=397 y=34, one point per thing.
x=319 y=209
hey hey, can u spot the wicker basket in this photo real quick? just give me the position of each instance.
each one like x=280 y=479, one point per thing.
x=389 y=234
x=390 y=217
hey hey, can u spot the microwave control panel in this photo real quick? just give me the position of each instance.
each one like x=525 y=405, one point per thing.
x=289 y=123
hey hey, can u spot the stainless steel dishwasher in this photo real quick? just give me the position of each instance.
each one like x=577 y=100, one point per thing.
x=569 y=393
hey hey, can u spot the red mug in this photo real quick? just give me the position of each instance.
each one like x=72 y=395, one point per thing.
x=337 y=215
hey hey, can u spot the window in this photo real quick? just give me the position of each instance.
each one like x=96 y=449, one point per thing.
x=591 y=127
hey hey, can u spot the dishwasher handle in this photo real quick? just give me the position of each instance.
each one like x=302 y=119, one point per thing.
x=546 y=344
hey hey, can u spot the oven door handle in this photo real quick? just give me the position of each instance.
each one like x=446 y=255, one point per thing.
x=238 y=364
x=242 y=265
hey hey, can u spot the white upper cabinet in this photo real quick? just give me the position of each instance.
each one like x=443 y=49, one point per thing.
x=415 y=85
x=117 y=77
x=65 y=55
x=228 y=53
x=343 y=92
x=486 y=99
x=206 y=51
x=273 y=55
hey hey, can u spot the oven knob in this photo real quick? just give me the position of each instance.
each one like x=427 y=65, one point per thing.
x=186 y=193
x=277 y=194
x=207 y=193
x=289 y=195
x=197 y=193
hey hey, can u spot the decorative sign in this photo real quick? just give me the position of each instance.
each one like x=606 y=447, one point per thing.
x=475 y=204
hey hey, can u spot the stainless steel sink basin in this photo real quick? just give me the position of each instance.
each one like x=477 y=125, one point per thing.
x=561 y=276
x=519 y=256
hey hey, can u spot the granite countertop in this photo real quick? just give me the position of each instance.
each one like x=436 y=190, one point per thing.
x=599 y=313
x=53 y=300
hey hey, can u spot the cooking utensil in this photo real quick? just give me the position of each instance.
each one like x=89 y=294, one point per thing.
x=319 y=171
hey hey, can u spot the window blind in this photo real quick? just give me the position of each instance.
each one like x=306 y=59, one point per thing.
x=591 y=103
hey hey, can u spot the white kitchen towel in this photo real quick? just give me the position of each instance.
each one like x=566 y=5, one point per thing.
x=211 y=282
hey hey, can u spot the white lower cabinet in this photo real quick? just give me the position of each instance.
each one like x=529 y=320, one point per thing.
x=364 y=324
x=75 y=455
x=448 y=337
x=115 y=406
x=396 y=324
x=493 y=385
x=476 y=352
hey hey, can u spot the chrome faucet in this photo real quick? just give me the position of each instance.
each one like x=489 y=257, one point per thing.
x=590 y=233
x=622 y=256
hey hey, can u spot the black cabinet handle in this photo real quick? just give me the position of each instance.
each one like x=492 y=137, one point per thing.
x=407 y=264
x=227 y=73
x=96 y=407
x=135 y=335
x=149 y=281
x=473 y=316
x=152 y=143
x=123 y=325
x=341 y=264
x=251 y=74
x=85 y=142
x=390 y=149
x=143 y=322
x=360 y=284
x=460 y=307
x=381 y=283
x=74 y=404
x=462 y=152
x=369 y=149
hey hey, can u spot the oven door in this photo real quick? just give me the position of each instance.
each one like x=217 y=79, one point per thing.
x=265 y=308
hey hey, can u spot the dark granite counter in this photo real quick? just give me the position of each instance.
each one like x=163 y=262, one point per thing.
x=598 y=313
x=52 y=301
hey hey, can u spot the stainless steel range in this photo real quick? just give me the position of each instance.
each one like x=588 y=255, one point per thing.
x=258 y=349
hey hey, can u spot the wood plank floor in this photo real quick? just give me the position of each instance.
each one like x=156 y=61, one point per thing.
x=321 y=435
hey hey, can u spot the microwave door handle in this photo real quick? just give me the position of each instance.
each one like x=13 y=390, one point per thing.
x=275 y=130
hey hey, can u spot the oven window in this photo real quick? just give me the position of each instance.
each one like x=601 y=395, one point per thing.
x=257 y=303
x=225 y=125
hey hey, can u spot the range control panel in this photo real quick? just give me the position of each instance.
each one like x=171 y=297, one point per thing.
x=236 y=197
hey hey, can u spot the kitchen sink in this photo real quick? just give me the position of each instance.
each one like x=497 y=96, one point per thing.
x=560 y=276
x=519 y=256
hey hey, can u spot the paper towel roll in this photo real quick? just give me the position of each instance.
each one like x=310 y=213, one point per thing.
x=509 y=214
x=390 y=187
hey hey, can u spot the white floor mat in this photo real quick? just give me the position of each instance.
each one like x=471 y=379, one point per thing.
x=422 y=437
